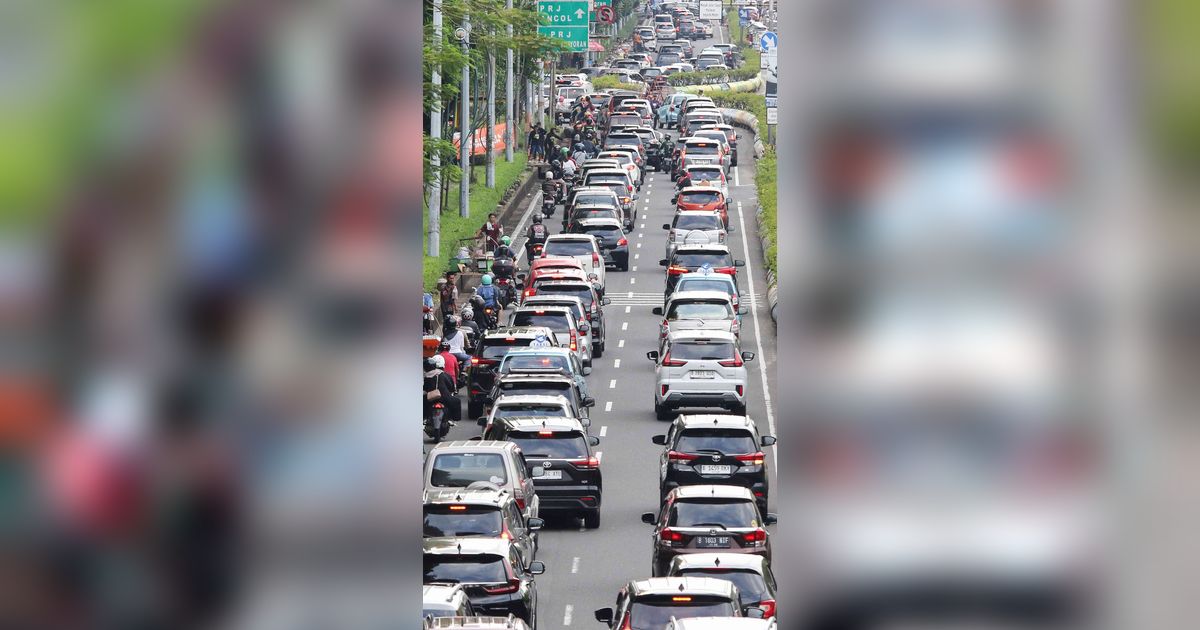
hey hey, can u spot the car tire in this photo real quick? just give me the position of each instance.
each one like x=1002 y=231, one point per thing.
x=623 y=266
x=662 y=412
x=474 y=409
x=597 y=350
x=591 y=519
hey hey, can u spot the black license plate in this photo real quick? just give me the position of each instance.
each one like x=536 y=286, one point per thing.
x=712 y=542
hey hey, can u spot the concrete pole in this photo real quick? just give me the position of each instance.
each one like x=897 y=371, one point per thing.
x=508 y=96
x=464 y=127
x=489 y=145
x=435 y=132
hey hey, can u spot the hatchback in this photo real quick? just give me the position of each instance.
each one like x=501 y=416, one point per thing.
x=751 y=574
x=714 y=449
x=699 y=368
x=703 y=198
x=689 y=258
x=460 y=464
x=595 y=336
x=614 y=246
x=698 y=519
x=562 y=321
x=531 y=405
x=581 y=247
x=698 y=310
x=483 y=512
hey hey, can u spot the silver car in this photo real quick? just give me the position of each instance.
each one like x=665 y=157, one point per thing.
x=699 y=368
x=560 y=319
x=699 y=310
x=695 y=227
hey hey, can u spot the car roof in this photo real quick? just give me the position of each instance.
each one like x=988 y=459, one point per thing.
x=693 y=334
x=595 y=189
x=719 y=420
x=609 y=171
x=565 y=282
x=473 y=496
x=536 y=377
x=723 y=623
x=534 y=299
x=598 y=221
x=700 y=189
x=541 y=399
x=698 y=141
x=478 y=623
x=471 y=446
x=593 y=206
x=570 y=236
x=721 y=126
x=451 y=545
x=698 y=275
x=709 y=491
x=706 y=247
x=549 y=308
x=536 y=351
x=531 y=423
x=684 y=296
x=723 y=560
x=440 y=592
x=683 y=585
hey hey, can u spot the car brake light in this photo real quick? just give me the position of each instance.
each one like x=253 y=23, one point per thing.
x=758 y=536
x=664 y=389
x=671 y=236
x=545 y=433
x=595 y=258
x=521 y=503
x=736 y=361
x=457 y=508
x=590 y=462
x=670 y=536
x=676 y=456
x=511 y=586
x=729 y=270
x=753 y=458
x=622 y=242
x=675 y=269
x=474 y=360
x=669 y=362
x=768 y=608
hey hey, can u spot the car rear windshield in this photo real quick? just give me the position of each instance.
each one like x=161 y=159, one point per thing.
x=462 y=520
x=474 y=569
x=752 y=588
x=652 y=614
x=557 y=322
x=704 y=284
x=708 y=512
x=530 y=409
x=603 y=231
x=624 y=119
x=581 y=292
x=498 y=348
x=709 y=148
x=700 y=197
x=519 y=363
x=727 y=441
x=624 y=140
x=700 y=310
x=596 y=213
x=596 y=198
x=702 y=352
x=621 y=188
x=604 y=178
x=458 y=470
x=697 y=221
x=564 y=247
x=556 y=445
x=536 y=388
x=575 y=308
x=716 y=259
x=704 y=174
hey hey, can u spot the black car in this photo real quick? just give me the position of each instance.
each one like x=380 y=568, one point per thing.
x=549 y=384
x=481 y=376
x=479 y=512
x=494 y=573
x=570 y=481
x=689 y=258
x=714 y=449
x=614 y=247
x=592 y=211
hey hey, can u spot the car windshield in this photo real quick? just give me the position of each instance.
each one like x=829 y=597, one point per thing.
x=752 y=588
x=462 y=520
x=704 y=284
x=499 y=349
x=518 y=363
x=700 y=310
x=555 y=445
x=705 y=197
x=621 y=188
x=655 y=615
x=702 y=351
x=530 y=409
x=604 y=178
x=473 y=569
x=458 y=470
x=536 y=388
x=714 y=260
x=625 y=119
x=728 y=441
x=697 y=221
x=575 y=308
x=629 y=140
x=568 y=247
x=554 y=321
x=708 y=148
x=581 y=292
x=699 y=513
x=596 y=213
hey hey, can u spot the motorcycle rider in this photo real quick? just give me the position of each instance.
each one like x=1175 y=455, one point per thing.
x=490 y=295
x=455 y=337
x=452 y=366
x=580 y=156
x=504 y=249
x=535 y=236
x=437 y=380
x=549 y=192
x=467 y=323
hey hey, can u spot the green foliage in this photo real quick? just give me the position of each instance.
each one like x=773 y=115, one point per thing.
x=611 y=82
x=708 y=77
x=1172 y=85
x=765 y=174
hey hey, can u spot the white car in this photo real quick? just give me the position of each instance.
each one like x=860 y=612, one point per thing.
x=699 y=368
x=581 y=247
x=624 y=160
x=527 y=405
x=695 y=227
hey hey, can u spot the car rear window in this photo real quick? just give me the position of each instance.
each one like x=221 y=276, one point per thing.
x=564 y=247
x=710 y=148
x=462 y=520
x=704 y=174
x=625 y=139
x=465 y=569
x=624 y=119
x=702 y=352
x=699 y=197
x=752 y=587
x=551 y=444
x=652 y=614
x=604 y=178
x=536 y=388
x=699 y=310
x=575 y=308
x=620 y=188
x=596 y=213
x=726 y=441
x=529 y=409
x=498 y=348
x=458 y=470
x=705 y=512
x=590 y=198
x=697 y=221
x=701 y=284
x=714 y=260
x=518 y=363
x=603 y=231
x=557 y=322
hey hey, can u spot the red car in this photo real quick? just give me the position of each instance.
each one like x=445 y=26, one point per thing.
x=703 y=198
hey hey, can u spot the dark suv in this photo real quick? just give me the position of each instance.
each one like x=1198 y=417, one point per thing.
x=689 y=258
x=546 y=384
x=479 y=512
x=700 y=519
x=714 y=449
x=570 y=480
x=496 y=576
x=488 y=353
x=614 y=246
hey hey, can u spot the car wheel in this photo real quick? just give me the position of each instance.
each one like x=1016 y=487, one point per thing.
x=661 y=412
x=591 y=519
x=597 y=350
x=474 y=409
x=623 y=266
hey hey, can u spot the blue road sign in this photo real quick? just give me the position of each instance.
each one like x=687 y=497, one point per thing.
x=768 y=40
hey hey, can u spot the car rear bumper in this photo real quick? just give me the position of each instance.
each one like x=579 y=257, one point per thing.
x=667 y=554
x=695 y=396
x=567 y=498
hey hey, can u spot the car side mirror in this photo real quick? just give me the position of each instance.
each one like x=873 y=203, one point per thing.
x=739 y=263
x=587 y=369
x=481 y=421
x=652 y=355
x=537 y=567
x=666 y=226
x=662 y=262
x=605 y=301
x=585 y=422
x=535 y=524
x=742 y=310
x=675 y=199
x=754 y=612
x=660 y=439
x=583 y=328
x=657 y=310
x=589 y=402
x=537 y=471
x=767 y=440
x=593 y=440
x=604 y=615
x=649 y=518
x=770 y=519
x=747 y=355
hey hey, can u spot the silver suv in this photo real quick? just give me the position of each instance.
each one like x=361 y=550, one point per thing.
x=560 y=319
x=699 y=368
x=708 y=311
x=695 y=227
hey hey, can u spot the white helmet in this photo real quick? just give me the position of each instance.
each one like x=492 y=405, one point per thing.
x=439 y=361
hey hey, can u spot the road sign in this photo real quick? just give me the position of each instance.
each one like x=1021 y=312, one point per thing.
x=768 y=40
x=605 y=14
x=566 y=20
x=710 y=9
x=771 y=101
x=772 y=115
x=596 y=4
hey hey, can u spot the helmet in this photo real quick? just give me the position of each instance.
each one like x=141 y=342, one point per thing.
x=441 y=281
x=487 y=279
x=431 y=365
x=443 y=345
x=578 y=145
x=439 y=361
x=506 y=240
x=467 y=313
x=537 y=217
x=449 y=323
x=565 y=151
x=577 y=140
x=548 y=175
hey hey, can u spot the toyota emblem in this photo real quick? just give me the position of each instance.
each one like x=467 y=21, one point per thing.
x=545 y=464
x=716 y=458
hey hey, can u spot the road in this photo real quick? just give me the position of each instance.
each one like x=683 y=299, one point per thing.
x=584 y=569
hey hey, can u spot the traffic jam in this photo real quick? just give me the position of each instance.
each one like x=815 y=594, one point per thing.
x=632 y=349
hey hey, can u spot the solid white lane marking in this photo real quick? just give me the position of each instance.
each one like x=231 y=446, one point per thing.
x=607 y=407
x=761 y=358
x=621 y=343
x=616 y=363
x=626 y=309
x=575 y=564
x=570 y=610
x=604 y=429
x=612 y=384
x=737 y=180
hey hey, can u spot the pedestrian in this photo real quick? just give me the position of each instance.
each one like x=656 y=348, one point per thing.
x=448 y=294
x=490 y=231
x=537 y=142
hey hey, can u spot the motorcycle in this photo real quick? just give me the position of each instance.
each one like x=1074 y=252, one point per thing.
x=505 y=283
x=548 y=204
x=436 y=426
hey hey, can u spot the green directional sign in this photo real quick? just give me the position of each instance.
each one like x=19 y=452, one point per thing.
x=566 y=20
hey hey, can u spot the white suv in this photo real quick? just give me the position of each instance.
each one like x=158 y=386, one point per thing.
x=699 y=368
x=581 y=247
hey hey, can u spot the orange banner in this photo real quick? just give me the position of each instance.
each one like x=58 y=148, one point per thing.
x=480 y=139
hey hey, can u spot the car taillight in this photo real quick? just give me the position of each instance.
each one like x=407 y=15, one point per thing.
x=675 y=269
x=729 y=270
x=521 y=503
x=669 y=362
x=668 y=535
x=721 y=237
x=590 y=462
x=756 y=538
x=671 y=236
x=529 y=292
x=622 y=242
x=573 y=338
x=676 y=456
x=753 y=458
x=511 y=586
x=739 y=389
x=736 y=361
x=595 y=258
x=505 y=534
x=768 y=608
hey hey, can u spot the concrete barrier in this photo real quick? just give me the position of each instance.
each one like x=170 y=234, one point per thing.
x=749 y=121
x=749 y=85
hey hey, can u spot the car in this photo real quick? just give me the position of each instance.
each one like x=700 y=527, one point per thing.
x=711 y=62
x=624 y=156
x=469 y=464
x=654 y=602
x=703 y=175
x=714 y=449
x=597 y=163
x=642 y=107
x=651 y=72
x=585 y=291
x=616 y=174
x=702 y=150
x=751 y=574
x=580 y=213
x=445 y=600
x=593 y=195
x=699 y=368
x=731 y=138
x=692 y=121
x=624 y=75
x=477 y=623
x=570 y=480
x=706 y=280
x=562 y=321
x=614 y=246
x=698 y=519
x=689 y=258
x=564 y=273
x=626 y=139
x=706 y=131
x=478 y=512
x=698 y=310
x=642 y=58
x=494 y=574
x=559 y=361
x=649 y=40
x=581 y=247
x=702 y=199
x=627 y=63
x=533 y=405
x=596 y=335
x=680 y=66
x=650 y=137
x=672 y=106
x=630 y=153
x=665 y=31
x=624 y=196
x=489 y=350
x=695 y=227
x=545 y=384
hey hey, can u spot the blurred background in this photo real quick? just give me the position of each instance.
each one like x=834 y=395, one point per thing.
x=209 y=390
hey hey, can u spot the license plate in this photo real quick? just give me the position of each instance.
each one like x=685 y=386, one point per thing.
x=712 y=542
x=550 y=474
x=715 y=470
x=702 y=374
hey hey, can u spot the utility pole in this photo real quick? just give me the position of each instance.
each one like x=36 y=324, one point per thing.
x=464 y=123
x=435 y=132
x=508 y=94
x=489 y=146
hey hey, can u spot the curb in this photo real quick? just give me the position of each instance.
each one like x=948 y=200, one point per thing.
x=509 y=214
x=749 y=121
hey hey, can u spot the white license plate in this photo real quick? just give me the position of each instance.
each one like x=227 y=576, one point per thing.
x=550 y=474
x=708 y=469
x=712 y=542
x=702 y=374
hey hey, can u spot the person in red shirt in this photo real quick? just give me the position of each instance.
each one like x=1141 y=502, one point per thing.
x=451 y=361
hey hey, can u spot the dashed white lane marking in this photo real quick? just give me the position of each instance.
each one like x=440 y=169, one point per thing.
x=639 y=246
x=624 y=325
x=640 y=235
x=737 y=180
x=633 y=281
x=604 y=429
x=637 y=256
x=621 y=343
x=575 y=564
x=607 y=407
x=762 y=364
x=616 y=363
x=626 y=309
x=635 y=267
x=630 y=294
x=570 y=610
x=643 y=226
x=612 y=384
